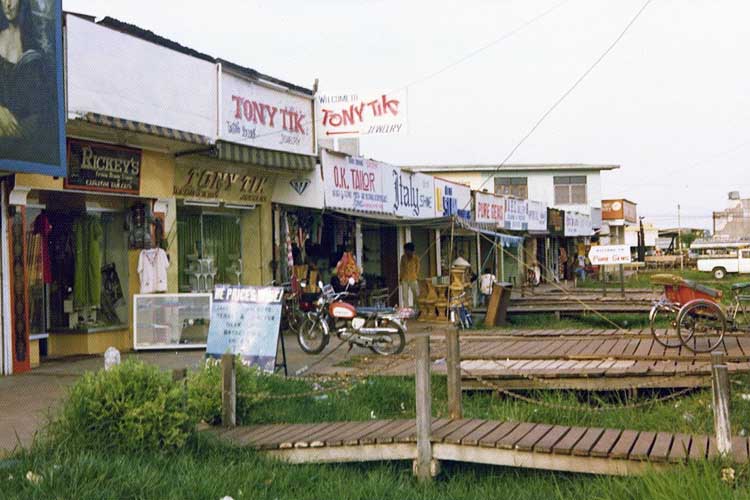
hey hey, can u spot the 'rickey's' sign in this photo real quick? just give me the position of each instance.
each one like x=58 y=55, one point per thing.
x=93 y=166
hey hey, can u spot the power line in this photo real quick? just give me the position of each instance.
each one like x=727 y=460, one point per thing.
x=569 y=91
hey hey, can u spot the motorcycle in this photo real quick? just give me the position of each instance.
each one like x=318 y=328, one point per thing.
x=382 y=330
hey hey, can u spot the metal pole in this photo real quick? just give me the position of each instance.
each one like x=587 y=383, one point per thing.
x=720 y=389
x=622 y=280
x=422 y=464
x=453 y=364
x=679 y=237
x=228 y=391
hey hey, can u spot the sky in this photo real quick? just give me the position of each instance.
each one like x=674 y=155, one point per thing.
x=669 y=104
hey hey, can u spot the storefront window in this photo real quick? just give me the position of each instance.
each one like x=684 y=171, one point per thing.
x=210 y=250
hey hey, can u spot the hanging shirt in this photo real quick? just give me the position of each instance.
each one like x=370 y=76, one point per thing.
x=43 y=228
x=152 y=270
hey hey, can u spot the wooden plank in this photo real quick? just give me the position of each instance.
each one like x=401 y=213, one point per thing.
x=317 y=437
x=473 y=438
x=272 y=440
x=353 y=433
x=456 y=436
x=644 y=347
x=605 y=443
x=385 y=434
x=680 y=449
x=336 y=434
x=527 y=442
x=583 y=447
x=409 y=435
x=491 y=439
x=713 y=451
x=624 y=444
x=440 y=434
x=354 y=439
x=739 y=449
x=547 y=443
x=642 y=446
x=509 y=441
x=698 y=448
x=289 y=440
x=662 y=445
x=566 y=444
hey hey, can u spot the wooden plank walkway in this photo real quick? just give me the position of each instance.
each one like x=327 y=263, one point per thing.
x=516 y=444
x=572 y=359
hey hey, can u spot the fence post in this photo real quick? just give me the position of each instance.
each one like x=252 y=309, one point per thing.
x=453 y=364
x=228 y=391
x=720 y=389
x=423 y=467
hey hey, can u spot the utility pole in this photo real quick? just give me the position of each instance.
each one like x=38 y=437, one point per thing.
x=679 y=237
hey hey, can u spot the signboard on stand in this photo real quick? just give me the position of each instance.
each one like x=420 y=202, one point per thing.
x=605 y=255
x=413 y=193
x=356 y=114
x=356 y=184
x=489 y=209
x=245 y=321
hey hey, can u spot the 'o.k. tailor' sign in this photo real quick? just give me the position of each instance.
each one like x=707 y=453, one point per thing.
x=413 y=194
x=452 y=199
x=258 y=116
x=356 y=184
x=489 y=208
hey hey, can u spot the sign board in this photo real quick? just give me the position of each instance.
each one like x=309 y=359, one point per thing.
x=32 y=100
x=245 y=321
x=258 y=116
x=413 y=193
x=358 y=114
x=577 y=224
x=619 y=210
x=537 y=214
x=452 y=199
x=304 y=189
x=356 y=184
x=223 y=183
x=604 y=255
x=171 y=320
x=556 y=222
x=103 y=167
x=516 y=216
x=489 y=208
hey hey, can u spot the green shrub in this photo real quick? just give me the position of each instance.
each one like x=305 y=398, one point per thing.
x=132 y=407
x=204 y=391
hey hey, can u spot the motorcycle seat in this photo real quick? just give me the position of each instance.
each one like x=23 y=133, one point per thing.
x=373 y=310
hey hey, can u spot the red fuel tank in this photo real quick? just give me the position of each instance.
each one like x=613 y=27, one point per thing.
x=342 y=310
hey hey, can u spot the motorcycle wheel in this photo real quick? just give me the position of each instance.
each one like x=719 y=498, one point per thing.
x=396 y=343
x=311 y=336
x=295 y=319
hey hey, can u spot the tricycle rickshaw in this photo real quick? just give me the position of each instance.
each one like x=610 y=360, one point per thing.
x=696 y=319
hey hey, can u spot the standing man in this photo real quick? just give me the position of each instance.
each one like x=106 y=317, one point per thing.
x=408 y=274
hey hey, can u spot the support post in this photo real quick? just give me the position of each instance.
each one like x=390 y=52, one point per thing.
x=423 y=467
x=720 y=390
x=603 y=276
x=453 y=364
x=228 y=391
x=622 y=280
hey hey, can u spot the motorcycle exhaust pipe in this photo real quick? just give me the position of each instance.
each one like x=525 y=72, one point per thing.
x=375 y=331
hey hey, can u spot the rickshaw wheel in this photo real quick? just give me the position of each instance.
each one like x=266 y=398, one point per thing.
x=701 y=325
x=666 y=336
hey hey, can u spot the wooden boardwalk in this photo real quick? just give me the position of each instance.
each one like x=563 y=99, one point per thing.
x=516 y=444
x=574 y=359
x=582 y=301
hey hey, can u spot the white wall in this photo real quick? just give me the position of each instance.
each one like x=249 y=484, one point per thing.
x=541 y=187
x=119 y=75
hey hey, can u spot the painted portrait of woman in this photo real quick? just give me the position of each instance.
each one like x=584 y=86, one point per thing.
x=28 y=91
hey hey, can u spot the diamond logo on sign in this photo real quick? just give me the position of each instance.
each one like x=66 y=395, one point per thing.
x=299 y=185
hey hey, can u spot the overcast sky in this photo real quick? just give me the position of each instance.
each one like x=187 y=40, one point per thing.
x=670 y=103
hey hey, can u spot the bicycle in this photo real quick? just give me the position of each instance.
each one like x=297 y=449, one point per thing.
x=695 y=316
x=460 y=315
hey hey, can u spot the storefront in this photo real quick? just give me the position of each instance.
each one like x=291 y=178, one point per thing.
x=536 y=242
x=578 y=232
x=556 y=260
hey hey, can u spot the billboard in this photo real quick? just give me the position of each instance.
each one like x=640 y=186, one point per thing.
x=489 y=209
x=32 y=101
x=452 y=198
x=355 y=114
x=413 y=193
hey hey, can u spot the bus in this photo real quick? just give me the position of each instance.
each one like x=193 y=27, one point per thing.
x=720 y=257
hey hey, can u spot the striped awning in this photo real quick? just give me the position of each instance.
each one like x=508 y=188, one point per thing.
x=264 y=157
x=145 y=128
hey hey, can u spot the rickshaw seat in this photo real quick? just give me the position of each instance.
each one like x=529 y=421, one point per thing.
x=677 y=281
x=741 y=286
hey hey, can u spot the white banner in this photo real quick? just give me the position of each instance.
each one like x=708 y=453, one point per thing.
x=261 y=117
x=356 y=184
x=413 y=194
x=364 y=113
x=604 y=255
x=516 y=214
x=537 y=211
x=489 y=208
x=452 y=199
x=577 y=224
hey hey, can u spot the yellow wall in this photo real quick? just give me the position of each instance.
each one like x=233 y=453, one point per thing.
x=473 y=179
x=257 y=245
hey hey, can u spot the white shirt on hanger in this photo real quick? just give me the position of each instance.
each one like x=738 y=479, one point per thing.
x=152 y=270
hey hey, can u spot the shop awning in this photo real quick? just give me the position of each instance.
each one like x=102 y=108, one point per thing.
x=144 y=128
x=506 y=240
x=264 y=157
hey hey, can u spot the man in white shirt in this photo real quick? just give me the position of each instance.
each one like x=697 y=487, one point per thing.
x=486 y=282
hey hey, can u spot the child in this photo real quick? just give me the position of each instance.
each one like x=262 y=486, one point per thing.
x=486 y=282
